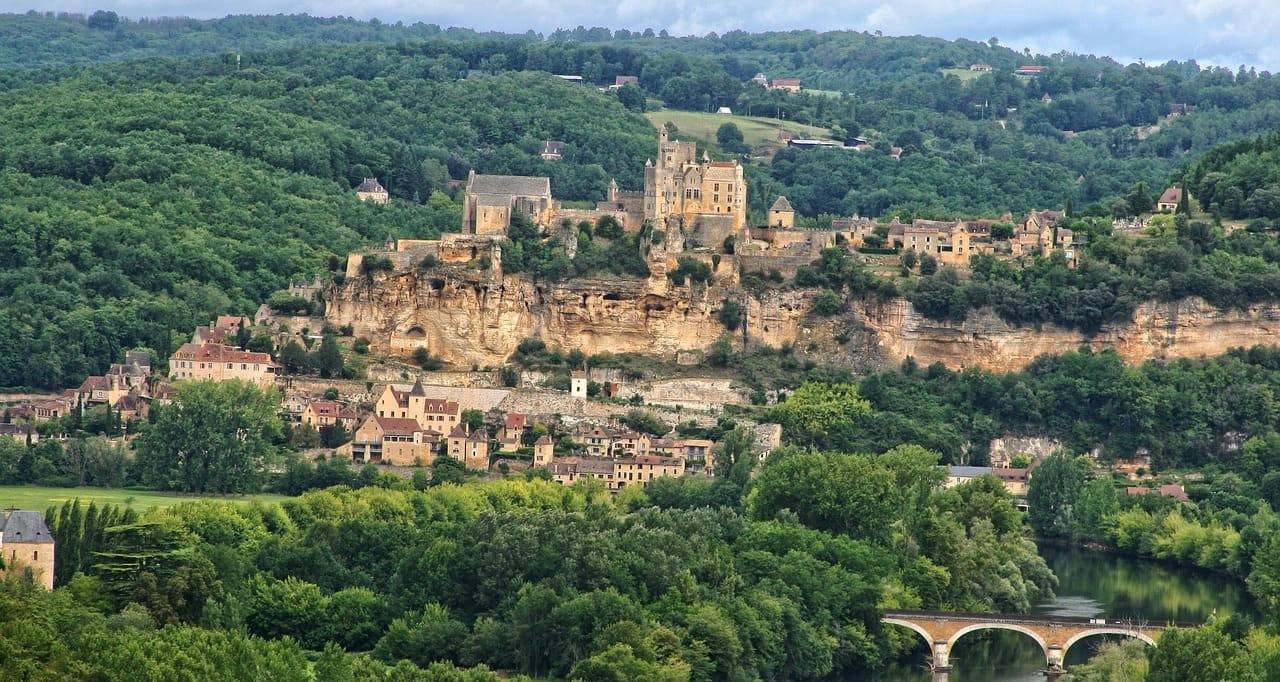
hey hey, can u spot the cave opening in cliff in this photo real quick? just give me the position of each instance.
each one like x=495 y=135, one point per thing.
x=612 y=296
x=415 y=333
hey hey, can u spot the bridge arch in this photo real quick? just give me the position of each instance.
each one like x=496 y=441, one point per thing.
x=1123 y=632
x=1044 y=646
x=928 y=638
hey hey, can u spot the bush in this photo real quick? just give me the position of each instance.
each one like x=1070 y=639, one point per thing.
x=827 y=303
x=730 y=314
x=423 y=358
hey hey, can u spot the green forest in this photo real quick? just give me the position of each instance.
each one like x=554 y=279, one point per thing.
x=158 y=171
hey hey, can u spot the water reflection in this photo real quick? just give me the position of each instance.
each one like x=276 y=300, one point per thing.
x=1090 y=584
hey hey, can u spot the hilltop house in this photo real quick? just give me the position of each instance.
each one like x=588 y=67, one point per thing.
x=552 y=150
x=372 y=190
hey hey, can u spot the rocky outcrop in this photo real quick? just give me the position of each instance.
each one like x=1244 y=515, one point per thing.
x=471 y=317
x=1189 y=328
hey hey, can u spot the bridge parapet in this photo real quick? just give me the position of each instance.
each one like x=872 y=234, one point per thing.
x=1055 y=635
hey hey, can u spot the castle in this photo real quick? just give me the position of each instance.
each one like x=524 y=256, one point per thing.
x=704 y=200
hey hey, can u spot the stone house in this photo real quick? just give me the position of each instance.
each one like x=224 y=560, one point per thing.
x=321 y=413
x=436 y=414
x=393 y=440
x=26 y=543
x=1014 y=480
x=23 y=433
x=543 y=451
x=787 y=84
x=217 y=362
x=372 y=190
x=514 y=425
x=781 y=214
x=552 y=150
x=490 y=200
x=1169 y=199
x=470 y=448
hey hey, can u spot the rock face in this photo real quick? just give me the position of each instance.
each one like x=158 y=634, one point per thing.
x=1189 y=328
x=469 y=317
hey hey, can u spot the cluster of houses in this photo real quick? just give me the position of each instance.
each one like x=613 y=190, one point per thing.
x=127 y=389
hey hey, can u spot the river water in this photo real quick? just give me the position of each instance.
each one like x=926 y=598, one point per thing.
x=1090 y=584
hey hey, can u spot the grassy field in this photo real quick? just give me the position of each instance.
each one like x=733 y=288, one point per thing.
x=756 y=130
x=965 y=75
x=38 y=498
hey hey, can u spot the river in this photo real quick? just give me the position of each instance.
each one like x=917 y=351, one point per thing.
x=1090 y=584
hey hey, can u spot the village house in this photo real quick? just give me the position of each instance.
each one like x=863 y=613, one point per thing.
x=102 y=390
x=26 y=544
x=132 y=405
x=514 y=425
x=321 y=413
x=1014 y=480
x=600 y=441
x=786 y=84
x=23 y=433
x=470 y=448
x=393 y=440
x=544 y=450
x=1169 y=200
x=616 y=474
x=761 y=80
x=619 y=81
x=980 y=67
x=436 y=414
x=372 y=190
x=216 y=362
x=1029 y=70
x=224 y=329
x=1170 y=490
x=552 y=150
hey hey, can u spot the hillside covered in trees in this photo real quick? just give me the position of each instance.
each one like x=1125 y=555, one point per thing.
x=163 y=171
x=142 y=198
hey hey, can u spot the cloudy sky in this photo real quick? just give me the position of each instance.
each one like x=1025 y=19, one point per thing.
x=1221 y=32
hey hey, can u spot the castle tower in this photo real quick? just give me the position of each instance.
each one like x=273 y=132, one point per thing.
x=781 y=214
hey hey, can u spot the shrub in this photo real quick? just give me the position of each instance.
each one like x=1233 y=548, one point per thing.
x=827 y=303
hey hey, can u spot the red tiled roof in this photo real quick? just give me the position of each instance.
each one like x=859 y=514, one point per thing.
x=515 y=420
x=398 y=426
x=1171 y=196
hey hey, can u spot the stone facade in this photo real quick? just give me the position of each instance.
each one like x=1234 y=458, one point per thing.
x=26 y=543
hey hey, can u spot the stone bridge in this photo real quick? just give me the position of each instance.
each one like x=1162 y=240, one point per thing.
x=942 y=629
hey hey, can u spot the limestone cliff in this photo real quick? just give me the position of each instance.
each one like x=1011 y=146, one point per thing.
x=1189 y=328
x=471 y=317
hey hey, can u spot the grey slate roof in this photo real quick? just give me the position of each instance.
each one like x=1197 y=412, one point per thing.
x=370 y=185
x=970 y=472
x=24 y=526
x=511 y=185
x=781 y=205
